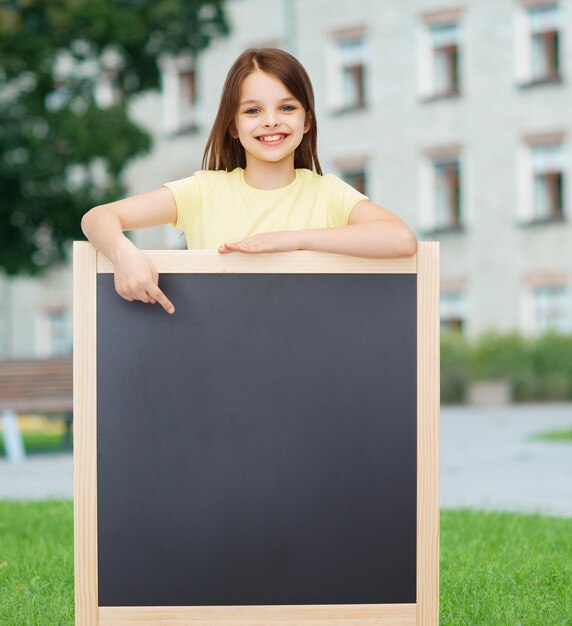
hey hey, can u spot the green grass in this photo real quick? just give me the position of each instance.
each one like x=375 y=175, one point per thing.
x=35 y=442
x=504 y=569
x=36 y=563
x=497 y=569
x=555 y=435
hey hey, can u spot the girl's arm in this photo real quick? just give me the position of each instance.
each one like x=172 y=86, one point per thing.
x=372 y=231
x=136 y=277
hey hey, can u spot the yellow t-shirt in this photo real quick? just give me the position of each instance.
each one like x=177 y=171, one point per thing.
x=216 y=207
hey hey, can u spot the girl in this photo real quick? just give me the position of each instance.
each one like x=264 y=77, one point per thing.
x=257 y=191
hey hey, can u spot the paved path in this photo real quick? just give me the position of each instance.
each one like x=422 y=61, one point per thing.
x=38 y=477
x=487 y=462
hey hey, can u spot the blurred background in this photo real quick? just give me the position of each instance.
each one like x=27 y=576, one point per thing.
x=454 y=116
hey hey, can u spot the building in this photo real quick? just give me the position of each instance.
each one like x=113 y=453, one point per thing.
x=453 y=116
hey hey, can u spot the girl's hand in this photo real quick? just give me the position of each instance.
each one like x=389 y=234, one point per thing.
x=137 y=278
x=282 y=241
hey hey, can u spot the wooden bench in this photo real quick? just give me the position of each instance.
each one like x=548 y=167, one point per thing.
x=42 y=386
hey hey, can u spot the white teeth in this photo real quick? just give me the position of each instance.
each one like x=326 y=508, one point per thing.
x=271 y=138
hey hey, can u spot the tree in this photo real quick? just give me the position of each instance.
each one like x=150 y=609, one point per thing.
x=62 y=152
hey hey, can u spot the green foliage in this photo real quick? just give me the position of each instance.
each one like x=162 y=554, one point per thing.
x=499 y=356
x=538 y=369
x=553 y=353
x=60 y=152
x=454 y=364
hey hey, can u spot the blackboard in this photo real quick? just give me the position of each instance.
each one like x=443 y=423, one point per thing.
x=259 y=445
x=258 y=448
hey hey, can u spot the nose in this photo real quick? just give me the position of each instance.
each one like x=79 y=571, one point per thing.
x=270 y=121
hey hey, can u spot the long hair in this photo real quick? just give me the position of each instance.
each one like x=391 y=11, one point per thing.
x=224 y=152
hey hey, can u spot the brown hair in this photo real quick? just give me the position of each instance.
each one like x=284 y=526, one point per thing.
x=224 y=152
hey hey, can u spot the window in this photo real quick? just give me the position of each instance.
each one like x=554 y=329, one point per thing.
x=445 y=40
x=353 y=73
x=108 y=91
x=347 y=66
x=548 y=182
x=440 y=55
x=547 y=306
x=542 y=192
x=544 y=27
x=356 y=178
x=53 y=333
x=552 y=304
x=353 y=170
x=82 y=75
x=447 y=192
x=181 y=110
x=58 y=332
x=6 y=318
x=441 y=191
x=546 y=303
x=453 y=309
x=187 y=95
x=538 y=42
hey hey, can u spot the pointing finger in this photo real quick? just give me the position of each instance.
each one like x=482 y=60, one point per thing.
x=162 y=299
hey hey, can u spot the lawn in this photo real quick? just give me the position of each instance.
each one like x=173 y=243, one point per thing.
x=496 y=568
x=564 y=434
x=504 y=569
x=36 y=563
x=41 y=435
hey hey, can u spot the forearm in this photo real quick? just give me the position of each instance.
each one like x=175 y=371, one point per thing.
x=378 y=239
x=103 y=230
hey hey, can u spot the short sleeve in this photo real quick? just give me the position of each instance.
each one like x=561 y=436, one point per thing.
x=341 y=199
x=187 y=199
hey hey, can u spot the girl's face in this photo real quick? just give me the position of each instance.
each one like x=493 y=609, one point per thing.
x=270 y=123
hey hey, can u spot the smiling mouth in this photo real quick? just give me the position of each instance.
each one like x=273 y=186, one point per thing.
x=277 y=138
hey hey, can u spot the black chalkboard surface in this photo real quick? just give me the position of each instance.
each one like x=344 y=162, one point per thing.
x=258 y=447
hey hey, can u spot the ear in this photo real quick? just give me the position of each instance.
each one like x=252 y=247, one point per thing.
x=232 y=130
x=308 y=121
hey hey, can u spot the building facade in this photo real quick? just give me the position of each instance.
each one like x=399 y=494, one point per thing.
x=456 y=117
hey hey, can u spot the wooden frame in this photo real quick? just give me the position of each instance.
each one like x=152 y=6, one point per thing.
x=425 y=612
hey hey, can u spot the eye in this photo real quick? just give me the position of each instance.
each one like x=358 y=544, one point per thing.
x=289 y=107
x=249 y=111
